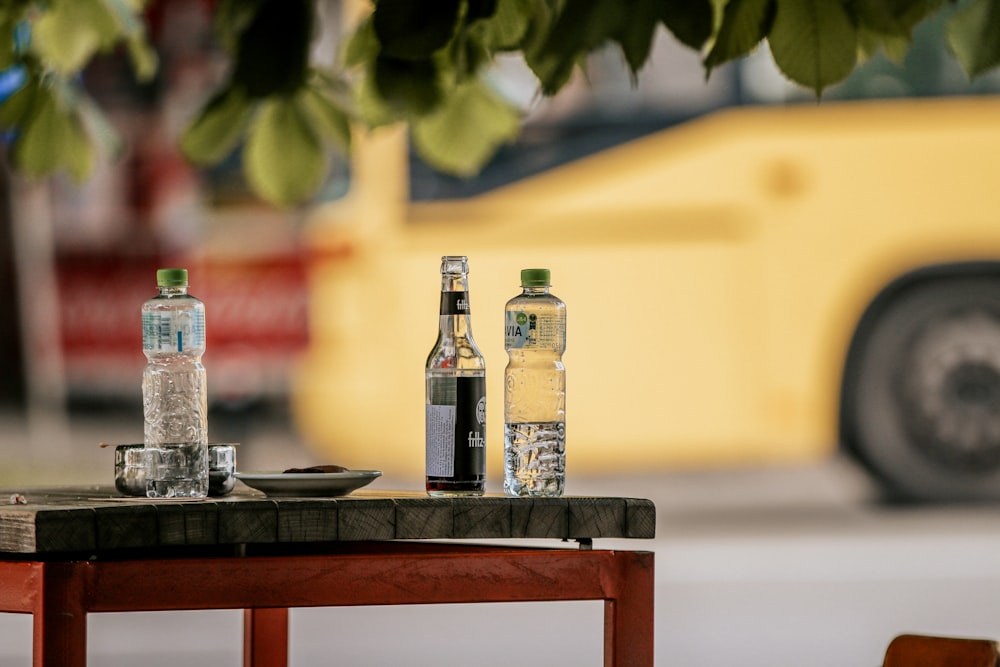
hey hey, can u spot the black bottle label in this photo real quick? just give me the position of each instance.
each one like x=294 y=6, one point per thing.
x=455 y=303
x=456 y=428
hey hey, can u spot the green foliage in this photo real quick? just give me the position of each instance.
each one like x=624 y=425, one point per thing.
x=507 y=26
x=744 y=24
x=973 y=36
x=57 y=127
x=814 y=42
x=286 y=113
x=272 y=51
x=284 y=160
x=54 y=138
x=219 y=129
x=451 y=138
x=323 y=101
x=893 y=17
x=410 y=88
x=409 y=30
x=421 y=63
x=8 y=56
x=690 y=21
x=232 y=19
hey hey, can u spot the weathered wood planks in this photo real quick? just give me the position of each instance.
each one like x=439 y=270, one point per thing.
x=83 y=520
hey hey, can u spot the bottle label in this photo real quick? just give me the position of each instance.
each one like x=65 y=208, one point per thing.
x=173 y=331
x=455 y=303
x=531 y=331
x=456 y=428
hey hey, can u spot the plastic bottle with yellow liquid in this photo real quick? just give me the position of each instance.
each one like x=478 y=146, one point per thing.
x=535 y=390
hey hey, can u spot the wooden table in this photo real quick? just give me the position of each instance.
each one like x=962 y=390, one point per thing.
x=68 y=552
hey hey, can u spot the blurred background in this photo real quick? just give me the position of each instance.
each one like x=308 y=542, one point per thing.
x=784 y=328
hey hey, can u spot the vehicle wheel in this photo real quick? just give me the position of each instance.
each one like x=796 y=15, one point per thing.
x=922 y=392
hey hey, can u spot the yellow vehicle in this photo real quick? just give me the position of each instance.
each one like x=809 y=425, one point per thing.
x=757 y=285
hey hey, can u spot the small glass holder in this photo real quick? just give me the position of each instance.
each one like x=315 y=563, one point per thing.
x=130 y=470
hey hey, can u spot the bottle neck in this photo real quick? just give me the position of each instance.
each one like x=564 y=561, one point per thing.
x=455 y=350
x=454 y=314
x=534 y=289
x=173 y=290
x=455 y=310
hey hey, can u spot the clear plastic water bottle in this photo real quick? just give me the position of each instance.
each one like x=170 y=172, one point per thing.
x=455 y=377
x=174 y=390
x=535 y=390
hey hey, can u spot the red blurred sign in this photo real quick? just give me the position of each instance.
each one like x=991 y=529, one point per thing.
x=256 y=319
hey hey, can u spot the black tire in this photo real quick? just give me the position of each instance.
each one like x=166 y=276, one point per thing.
x=922 y=391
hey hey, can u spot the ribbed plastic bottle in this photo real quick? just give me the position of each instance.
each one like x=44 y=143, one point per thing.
x=535 y=390
x=455 y=380
x=174 y=390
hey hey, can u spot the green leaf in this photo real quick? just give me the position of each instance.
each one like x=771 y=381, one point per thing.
x=463 y=57
x=327 y=119
x=69 y=33
x=14 y=110
x=219 y=127
x=479 y=9
x=127 y=16
x=8 y=57
x=273 y=51
x=584 y=25
x=283 y=160
x=409 y=30
x=552 y=69
x=37 y=151
x=109 y=19
x=506 y=29
x=870 y=43
x=362 y=46
x=232 y=17
x=635 y=35
x=11 y=13
x=580 y=27
x=34 y=152
x=143 y=57
x=462 y=134
x=371 y=108
x=744 y=24
x=895 y=18
x=813 y=42
x=895 y=48
x=409 y=87
x=690 y=21
x=887 y=25
x=973 y=36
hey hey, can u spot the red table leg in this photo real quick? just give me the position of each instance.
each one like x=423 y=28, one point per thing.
x=265 y=637
x=60 y=618
x=628 y=618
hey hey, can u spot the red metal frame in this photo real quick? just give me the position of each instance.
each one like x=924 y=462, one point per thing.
x=61 y=594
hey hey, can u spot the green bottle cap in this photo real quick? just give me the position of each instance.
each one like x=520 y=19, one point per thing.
x=535 y=277
x=172 y=277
